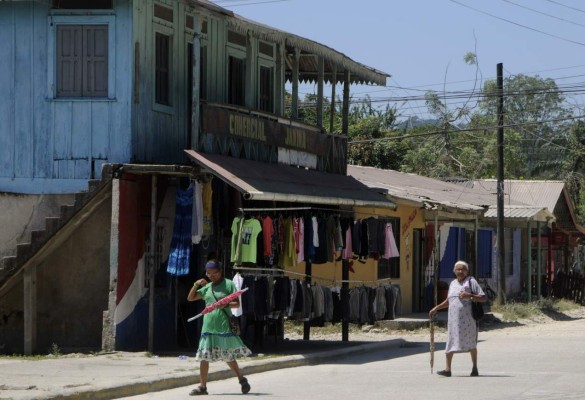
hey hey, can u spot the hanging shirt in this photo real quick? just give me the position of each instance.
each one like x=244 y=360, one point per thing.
x=348 y=251
x=309 y=243
x=244 y=237
x=315 y=223
x=289 y=256
x=391 y=248
x=207 y=196
x=356 y=237
x=238 y=282
x=197 y=218
x=372 y=235
x=267 y=232
x=300 y=239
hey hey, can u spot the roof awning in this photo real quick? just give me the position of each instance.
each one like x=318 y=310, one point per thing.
x=277 y=182
x=521 y=214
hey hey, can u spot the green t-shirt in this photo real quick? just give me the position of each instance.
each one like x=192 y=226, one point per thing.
x=217 y=321
x=248 y=241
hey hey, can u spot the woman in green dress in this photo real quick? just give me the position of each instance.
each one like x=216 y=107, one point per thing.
x=217 y=342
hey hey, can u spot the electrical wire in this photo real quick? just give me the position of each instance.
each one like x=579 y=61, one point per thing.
x=543 y=13
x=517 y=24
x=483 y=128
x=564 y=5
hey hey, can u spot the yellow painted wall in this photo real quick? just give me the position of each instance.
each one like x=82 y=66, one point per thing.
x=410 y=218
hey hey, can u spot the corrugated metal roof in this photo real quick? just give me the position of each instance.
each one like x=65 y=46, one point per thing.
x=533 y=213
x=422 y=189
x=277 y=182
x=533 y=192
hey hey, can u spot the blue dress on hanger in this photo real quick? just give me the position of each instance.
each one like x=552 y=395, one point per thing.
x=180 y=251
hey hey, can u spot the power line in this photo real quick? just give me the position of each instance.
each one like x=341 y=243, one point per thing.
x=249 y=4
x=484 y=128
x=564 y=5
x=517 y=24
x=543 y=13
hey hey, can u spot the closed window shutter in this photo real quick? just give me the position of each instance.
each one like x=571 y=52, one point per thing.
x=69 y=60
x=162 y=68
x=95 y=61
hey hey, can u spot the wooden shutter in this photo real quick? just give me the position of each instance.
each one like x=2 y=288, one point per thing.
x=95 y=61
x=236 y=90
x=82 y=61
x=69 y=60
x=266 y=89
x=162 y=68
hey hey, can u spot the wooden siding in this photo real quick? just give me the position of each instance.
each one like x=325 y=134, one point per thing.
x=49 y=144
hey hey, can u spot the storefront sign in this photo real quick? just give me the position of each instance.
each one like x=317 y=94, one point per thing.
x=222 y=121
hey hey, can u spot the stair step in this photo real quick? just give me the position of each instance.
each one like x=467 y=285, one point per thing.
x=24 y=252
x=93 y=184
x=39 y=236
x=81 y=197
x=67 y=212
x=7 y=264
x=52 y=225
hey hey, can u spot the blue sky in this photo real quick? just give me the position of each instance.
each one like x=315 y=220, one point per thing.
x=421 y=43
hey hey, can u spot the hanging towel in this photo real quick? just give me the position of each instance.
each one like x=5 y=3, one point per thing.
x=391 y=248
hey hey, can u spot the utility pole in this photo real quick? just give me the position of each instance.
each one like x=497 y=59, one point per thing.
x=501 y=250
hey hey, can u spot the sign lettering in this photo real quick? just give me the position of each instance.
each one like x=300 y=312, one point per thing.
x=247 y=127
x=296 y=138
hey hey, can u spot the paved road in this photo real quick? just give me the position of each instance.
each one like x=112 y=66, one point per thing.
x=518 y=363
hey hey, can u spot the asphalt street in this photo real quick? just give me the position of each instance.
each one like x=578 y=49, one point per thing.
x=516 y=363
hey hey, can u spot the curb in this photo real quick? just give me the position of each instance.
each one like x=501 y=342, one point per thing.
x=252 y=367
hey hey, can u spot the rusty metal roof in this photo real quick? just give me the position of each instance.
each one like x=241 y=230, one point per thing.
x=421 y=189
x=533 y=192
x=277 y=182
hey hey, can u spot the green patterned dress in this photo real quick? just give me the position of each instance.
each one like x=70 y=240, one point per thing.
x=217 y=343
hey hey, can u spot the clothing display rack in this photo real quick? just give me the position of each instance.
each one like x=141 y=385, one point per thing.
x=282 y=271
x=344 y=282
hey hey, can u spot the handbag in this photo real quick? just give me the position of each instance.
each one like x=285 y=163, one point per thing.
x=234 y=324
x=476 y=307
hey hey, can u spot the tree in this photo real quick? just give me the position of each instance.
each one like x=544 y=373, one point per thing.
x=365 y=122
x=534 y=107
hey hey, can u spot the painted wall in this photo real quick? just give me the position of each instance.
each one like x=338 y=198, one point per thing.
x=22 y=214
x=132 y=293
x=161 y=132
x=12 y=320
x=72 y=288
x=50 y=144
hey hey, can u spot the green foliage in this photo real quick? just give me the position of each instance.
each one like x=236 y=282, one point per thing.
x=54 y=350
x=533 y=106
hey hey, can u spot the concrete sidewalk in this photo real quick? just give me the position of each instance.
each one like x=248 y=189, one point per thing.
x=121 y=374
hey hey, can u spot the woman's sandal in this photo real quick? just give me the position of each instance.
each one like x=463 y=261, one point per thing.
x=444 y=373
x=245 y=385
x=198 y=391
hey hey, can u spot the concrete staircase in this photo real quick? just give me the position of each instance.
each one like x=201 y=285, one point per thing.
x=10 y=265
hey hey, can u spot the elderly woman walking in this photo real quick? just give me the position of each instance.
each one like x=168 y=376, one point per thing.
x=461 y=327
x=217 y=342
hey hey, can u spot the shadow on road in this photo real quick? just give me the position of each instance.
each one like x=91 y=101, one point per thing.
x=558 y=316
